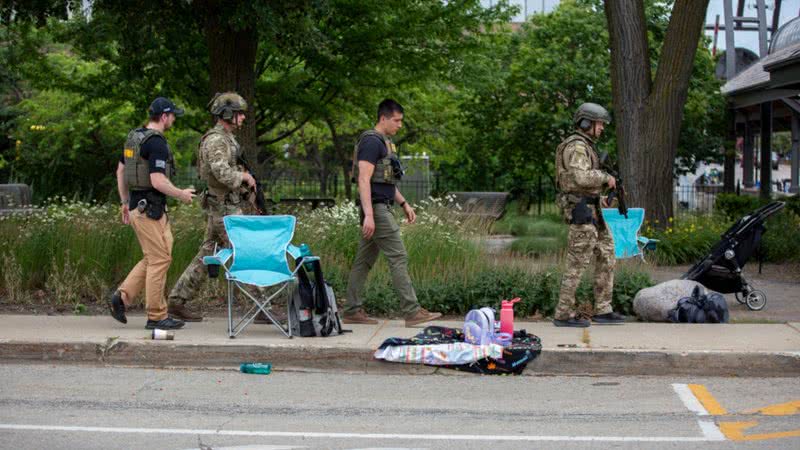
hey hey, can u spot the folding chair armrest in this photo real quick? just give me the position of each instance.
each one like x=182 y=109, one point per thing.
x=220 y=258
x=647 y=243
x=293 y=250
x=305 y=260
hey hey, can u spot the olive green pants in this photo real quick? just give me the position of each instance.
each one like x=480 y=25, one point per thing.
x=387 y=240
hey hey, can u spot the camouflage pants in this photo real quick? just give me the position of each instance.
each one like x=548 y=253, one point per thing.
x=585 y=242
x=194 y=276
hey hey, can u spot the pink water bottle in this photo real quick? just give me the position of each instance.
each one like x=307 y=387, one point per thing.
x=507 y=316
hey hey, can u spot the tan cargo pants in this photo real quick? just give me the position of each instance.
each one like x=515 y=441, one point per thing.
x=150 y=274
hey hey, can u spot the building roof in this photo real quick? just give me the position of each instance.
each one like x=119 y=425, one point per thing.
x=757 y=76
x=788 y=34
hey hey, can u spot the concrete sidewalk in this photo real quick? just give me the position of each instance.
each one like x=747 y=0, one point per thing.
x=630 y=349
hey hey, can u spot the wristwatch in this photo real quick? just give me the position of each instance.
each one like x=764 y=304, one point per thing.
x=403 y=204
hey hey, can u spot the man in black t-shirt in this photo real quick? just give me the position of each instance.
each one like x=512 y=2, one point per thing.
x=377 y=174
x=143 y=181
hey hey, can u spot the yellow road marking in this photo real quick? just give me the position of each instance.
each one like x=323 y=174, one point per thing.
x=707 y=400
x=735 y=432
x=780 y=409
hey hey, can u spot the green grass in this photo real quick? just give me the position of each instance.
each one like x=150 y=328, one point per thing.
x=538 y=235
x=73 y=254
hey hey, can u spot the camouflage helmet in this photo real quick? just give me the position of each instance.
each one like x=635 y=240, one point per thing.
x=224 y=104
x=588 y=113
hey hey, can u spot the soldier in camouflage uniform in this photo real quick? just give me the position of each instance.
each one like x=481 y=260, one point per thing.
x=580 y=184
x=217 y=165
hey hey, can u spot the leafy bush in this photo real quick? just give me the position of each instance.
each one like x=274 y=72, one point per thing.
x=538 y=292
x=74 y=253
x=687 y=239
x=539 y=246
x=734 y=206
x=793 y=204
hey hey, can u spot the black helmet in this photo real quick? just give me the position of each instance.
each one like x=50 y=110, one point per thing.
x=588 y=113
x=224 y=104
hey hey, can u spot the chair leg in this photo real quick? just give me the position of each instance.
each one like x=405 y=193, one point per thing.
x=230 y=311
x=251 y=314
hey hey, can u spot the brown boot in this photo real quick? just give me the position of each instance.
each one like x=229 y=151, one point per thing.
x=421 y=316
x=179 y=311
x=359 y=317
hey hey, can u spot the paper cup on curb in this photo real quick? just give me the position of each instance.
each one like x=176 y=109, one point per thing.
x=163 y=335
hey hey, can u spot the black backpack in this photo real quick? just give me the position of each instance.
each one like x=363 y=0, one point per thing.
x=700 y=308
x=312 y=306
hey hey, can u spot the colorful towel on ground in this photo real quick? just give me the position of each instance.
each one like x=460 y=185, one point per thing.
x=445 y=347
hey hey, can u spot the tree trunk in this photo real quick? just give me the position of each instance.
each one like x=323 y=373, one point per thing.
x=232 y=59
x=343 y=155
x=649 y=113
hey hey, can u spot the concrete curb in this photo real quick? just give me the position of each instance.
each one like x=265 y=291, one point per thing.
x=355 y=360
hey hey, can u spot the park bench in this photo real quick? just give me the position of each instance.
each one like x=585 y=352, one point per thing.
x=15 y=199
x=486 y=205
x=314 y=203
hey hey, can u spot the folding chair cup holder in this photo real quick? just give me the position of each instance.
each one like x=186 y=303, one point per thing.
x=256 y=261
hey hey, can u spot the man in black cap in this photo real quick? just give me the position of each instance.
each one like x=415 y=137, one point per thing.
x=143 y=181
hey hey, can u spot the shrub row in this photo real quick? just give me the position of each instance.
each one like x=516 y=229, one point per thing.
x=73 y=254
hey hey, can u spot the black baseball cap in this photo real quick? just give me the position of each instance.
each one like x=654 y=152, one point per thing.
x=163 y=105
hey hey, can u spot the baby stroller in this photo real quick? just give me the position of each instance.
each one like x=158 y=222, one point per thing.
x=721 y=270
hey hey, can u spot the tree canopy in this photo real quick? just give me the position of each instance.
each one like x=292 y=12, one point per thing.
x=487 y=100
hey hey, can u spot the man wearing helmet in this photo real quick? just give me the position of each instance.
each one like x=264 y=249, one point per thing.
x=217 y=165
x=580 y=184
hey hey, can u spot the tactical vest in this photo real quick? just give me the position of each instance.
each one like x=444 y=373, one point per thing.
x=215 y=187
x=561 y=166
x=384 y=172
x=577 y=207
x=137 y=169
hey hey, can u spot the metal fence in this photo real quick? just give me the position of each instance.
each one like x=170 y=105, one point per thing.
x=540 y=199
x=696 y=198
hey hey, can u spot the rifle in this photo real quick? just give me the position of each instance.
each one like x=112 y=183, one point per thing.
x=257 y=197
x=619 y=190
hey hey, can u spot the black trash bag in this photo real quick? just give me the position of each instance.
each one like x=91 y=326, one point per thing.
x=700 y=308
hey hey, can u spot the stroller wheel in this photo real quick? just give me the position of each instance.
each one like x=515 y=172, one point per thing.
x=756 y=300
x=741 y=297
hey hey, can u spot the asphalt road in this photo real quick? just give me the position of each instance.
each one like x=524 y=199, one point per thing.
x=71 y=407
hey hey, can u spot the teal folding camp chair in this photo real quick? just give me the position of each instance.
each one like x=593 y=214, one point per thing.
x=625 y=231
x=257 y=258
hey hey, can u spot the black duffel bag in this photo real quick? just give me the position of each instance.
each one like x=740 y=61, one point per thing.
x=700 y=308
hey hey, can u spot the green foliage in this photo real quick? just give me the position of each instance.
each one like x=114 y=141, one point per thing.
x=537 y=235
x=733 y=206
x=75 y=253
x=793 y=204
x=541 y=74
x=688 y=239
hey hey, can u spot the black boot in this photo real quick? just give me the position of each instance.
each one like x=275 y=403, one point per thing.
x=571 y=322
x=117 y=307
x=165 y=324
x=611 y=318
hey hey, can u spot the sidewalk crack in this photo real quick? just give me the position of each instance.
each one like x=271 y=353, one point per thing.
x=104 y=349
x=375 y=333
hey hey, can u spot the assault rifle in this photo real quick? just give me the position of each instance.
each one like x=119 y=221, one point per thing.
x=619 y=191
x=257 y=197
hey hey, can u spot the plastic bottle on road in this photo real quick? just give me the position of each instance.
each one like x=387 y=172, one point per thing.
x=258 y=368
